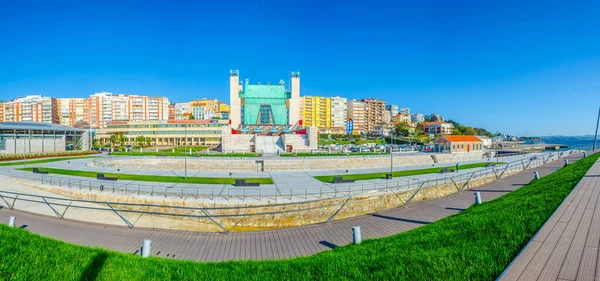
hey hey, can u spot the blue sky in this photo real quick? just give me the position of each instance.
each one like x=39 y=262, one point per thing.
x=531 y=68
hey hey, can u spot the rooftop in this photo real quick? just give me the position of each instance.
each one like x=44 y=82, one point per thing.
x=461 y=138
x=36 y=126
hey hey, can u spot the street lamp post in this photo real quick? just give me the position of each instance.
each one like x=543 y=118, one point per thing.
x=596 y=135
x=185 y=151
x=25 y=152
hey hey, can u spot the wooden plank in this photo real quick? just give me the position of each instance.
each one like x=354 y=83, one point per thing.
x=536 y=264
x=587 y=268
x=571 y=263
x=519 y=265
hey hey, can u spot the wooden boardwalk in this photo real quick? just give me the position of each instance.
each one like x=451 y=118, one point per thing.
x=276 y=244
x=566 y=247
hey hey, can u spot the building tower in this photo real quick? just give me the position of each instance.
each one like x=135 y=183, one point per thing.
x=234 y=98
x=294 y=115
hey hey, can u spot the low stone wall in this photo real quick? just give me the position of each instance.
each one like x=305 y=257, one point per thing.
x=284 y=163
x=267 y=216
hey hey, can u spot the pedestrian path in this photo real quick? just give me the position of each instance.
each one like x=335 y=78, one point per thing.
x=275 y=244
x=566 y=247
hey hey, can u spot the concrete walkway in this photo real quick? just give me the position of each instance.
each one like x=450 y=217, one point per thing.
x=566 y=247
x=277 y=244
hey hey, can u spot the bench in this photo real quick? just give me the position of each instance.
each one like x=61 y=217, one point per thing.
x=489 y=165
x=37 y=171
x=342 y=180
x=446 y=170
x=388 y=176
x=102 y=177
x=244 y=183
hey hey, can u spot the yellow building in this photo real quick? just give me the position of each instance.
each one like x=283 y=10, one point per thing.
x=316 y=111
x=166 y=133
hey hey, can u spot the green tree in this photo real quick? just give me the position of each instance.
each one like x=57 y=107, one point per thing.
x=122 y=140
x=148 y=141
x=141 y=141
x=114 y=140
x=402 y=128
x=191 y=117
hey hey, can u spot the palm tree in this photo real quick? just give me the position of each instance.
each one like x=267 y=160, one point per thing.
x=140 y=140
x=122 y=139
x=148 y=141
x=114 y=139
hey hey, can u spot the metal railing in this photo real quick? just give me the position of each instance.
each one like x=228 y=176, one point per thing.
x=227 y=192
x=334 y=200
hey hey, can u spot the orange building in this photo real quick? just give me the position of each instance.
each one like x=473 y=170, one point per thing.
x=453 y=144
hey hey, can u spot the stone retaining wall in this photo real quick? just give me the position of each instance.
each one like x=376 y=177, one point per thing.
x=307 y=213
x=283 y=163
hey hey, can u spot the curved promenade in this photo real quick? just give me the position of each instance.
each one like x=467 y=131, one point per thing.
x=277 y=244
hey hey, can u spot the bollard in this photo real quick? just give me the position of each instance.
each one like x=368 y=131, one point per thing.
x=584 y=154
x=157 y=150
x=146 y=248
x=477 y=198
x=12 y=221
x=173 y=150
x=356 y=238
x=566 y=162
x=536 y=175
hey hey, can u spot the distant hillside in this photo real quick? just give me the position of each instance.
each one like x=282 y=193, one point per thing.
x=460 y=129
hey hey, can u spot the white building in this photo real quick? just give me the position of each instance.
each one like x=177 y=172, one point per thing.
x=487 y=142
x=182 y=110
x=339 y=112
x=418 y=118
x=405 y=110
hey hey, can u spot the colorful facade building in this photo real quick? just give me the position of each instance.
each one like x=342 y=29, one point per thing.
x=375 y=114
x=263 y=104
x=32 y=108
x=107 y=107
x=316 y=111
x=73 y=110
x=356 y=112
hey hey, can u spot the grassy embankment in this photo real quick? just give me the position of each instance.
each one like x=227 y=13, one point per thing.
x=476 y=244
x=406 y=173
x=134 y=177
x=31 y=162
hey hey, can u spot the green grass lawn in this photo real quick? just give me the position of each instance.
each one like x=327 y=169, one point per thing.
x=44 y=161
x=134 y=177
x=187 y=149
x=476 y=244
x=406 y=173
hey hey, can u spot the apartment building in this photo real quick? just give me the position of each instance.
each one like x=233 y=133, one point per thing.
x=438 y=128
x=356 y=112
x=417 y=118
x=183 y=111
x=374 y=114
x=316 y=111
x=401 y=118
x=73 y=110
x=204 y=109
x=171 y=111
x=393 y=109
x=32 y=108
x=339 y=115
x=107 y=107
